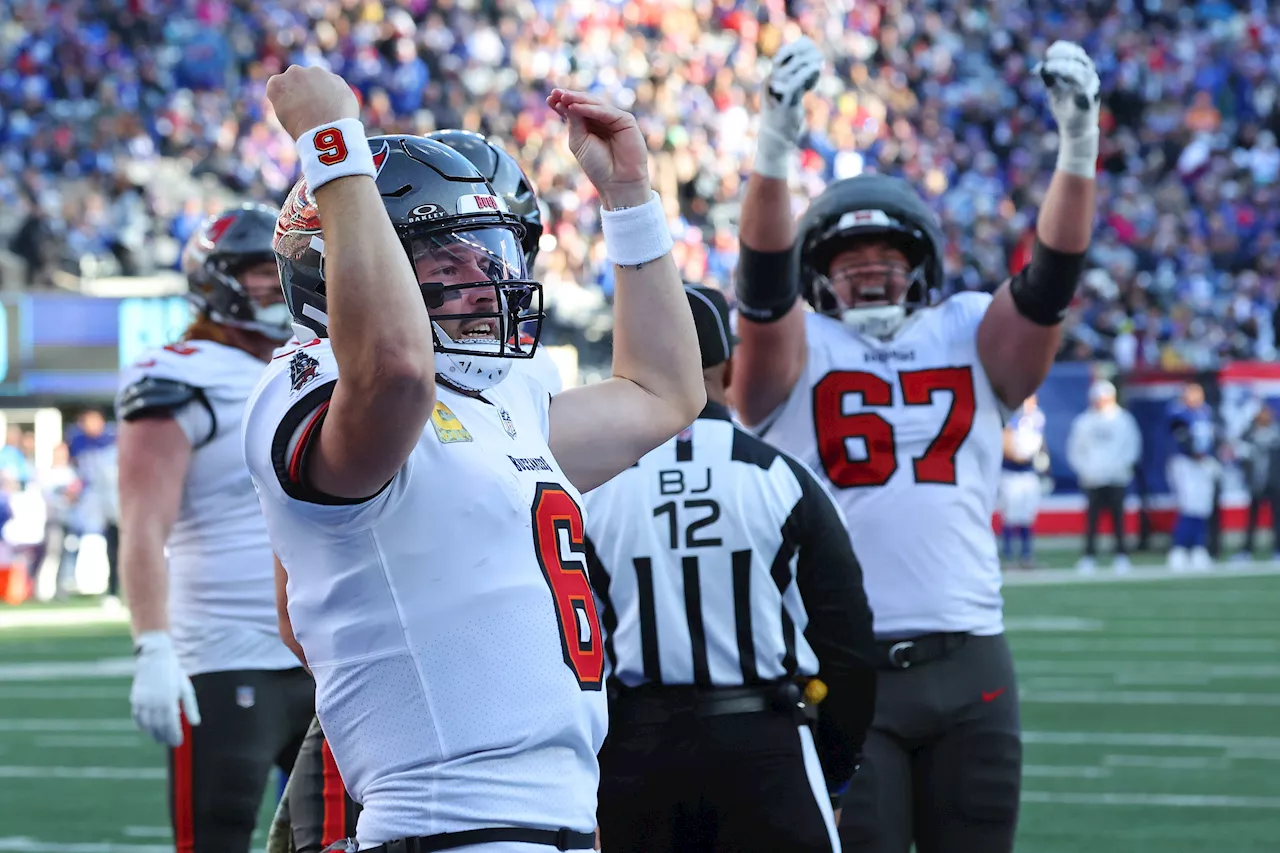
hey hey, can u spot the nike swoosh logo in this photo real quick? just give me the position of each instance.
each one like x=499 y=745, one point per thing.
x=992 y=696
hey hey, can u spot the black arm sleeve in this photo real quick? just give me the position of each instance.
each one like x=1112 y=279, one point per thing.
x=765 y=284
x=150 y=397
x=839 y=631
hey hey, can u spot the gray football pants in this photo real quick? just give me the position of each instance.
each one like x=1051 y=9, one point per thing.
x=942 y=765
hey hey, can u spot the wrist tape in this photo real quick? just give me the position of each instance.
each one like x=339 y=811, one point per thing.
x=636 y=235
x=333 y=150
x=1078 y=155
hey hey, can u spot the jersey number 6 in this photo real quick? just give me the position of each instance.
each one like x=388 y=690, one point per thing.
x=834 y=428
x=554 y=510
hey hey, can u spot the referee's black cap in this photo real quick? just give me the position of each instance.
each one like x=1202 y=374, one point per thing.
x=711 y=319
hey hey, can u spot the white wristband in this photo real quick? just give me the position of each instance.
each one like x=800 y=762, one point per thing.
x=337 y=149
x=636 y=235
x=1078 y=155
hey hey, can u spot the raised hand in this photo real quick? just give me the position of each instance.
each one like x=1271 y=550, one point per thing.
x=608 y=146
x=796 y=68
x=1072 y=82
x=304 y=98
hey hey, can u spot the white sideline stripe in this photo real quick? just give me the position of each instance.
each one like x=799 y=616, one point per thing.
x=51 y=694
x=1052 y=623
x=25 y=844
x=9 y=771
x=1112 y=665
x=65 y=725
x=1166 y=762
x=1118 y=645
x=1239 y=742
x=1150 y=697
x=121 y=741
x=1065 y=771
x=1138 y=574
x=56 y=670
x=47 y=617
x=1202 y=801
x=148 y=832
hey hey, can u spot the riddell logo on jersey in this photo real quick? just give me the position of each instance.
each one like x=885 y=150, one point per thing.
x=882 y=356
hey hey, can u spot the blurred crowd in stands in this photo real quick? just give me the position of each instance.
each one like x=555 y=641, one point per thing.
x=122 y=122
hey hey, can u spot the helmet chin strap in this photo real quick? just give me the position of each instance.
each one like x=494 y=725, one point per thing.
x=477 y=372
x=879 y=321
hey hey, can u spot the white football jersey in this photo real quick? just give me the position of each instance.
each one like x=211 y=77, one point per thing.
x=544 y=369
x=222 y=610
x=448 y=620
x=909 y=435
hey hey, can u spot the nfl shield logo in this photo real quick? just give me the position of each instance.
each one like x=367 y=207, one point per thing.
x=244 y=697
x=507 y=424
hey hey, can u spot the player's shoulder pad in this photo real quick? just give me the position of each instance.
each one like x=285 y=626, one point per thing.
x=967 y=304
x=544 y=368
x=167 y=378
x=152 y=396
x=207 y=365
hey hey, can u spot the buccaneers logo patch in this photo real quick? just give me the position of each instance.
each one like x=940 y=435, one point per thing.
x=302 y=369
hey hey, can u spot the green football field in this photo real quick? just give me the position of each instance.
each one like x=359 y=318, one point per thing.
x=1151 y=709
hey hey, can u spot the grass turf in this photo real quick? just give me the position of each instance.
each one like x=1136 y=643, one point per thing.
x=1151 y=714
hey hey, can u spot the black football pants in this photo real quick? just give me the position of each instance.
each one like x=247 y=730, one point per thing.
x=251 y=720
x=942 y=766
x=738 y=783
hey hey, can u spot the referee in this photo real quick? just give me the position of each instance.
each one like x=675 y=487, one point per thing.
x=727 y=587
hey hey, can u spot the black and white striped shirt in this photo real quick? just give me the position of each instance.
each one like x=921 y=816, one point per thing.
x=717 y=560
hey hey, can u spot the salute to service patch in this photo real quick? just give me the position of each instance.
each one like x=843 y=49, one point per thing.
x=447 y=426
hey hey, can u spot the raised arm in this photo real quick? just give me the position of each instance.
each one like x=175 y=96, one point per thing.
x=1021 y=332
x=771 y=351
x=377 y=319
x=656 y=389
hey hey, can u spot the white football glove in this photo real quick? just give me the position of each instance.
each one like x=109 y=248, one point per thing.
x=160 y=687
x=795 y=71
x=1073 y=85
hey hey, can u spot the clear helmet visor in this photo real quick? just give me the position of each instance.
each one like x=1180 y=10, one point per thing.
x=484 y=308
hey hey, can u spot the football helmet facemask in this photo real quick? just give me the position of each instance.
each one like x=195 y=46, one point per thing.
x=215 y=258
x=880 y=292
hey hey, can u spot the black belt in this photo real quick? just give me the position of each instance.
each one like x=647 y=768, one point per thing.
x=563 y=839
x=656 y=703
x=914 y=651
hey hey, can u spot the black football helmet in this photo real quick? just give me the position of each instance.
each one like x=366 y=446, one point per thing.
x=865 y=208
x=442 y=208
x=501 y=169
x=222 y=248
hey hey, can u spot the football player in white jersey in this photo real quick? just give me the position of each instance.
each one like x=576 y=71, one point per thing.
x=213 y=680
x=425 y=497
x=318 y=809
x=900 y=400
